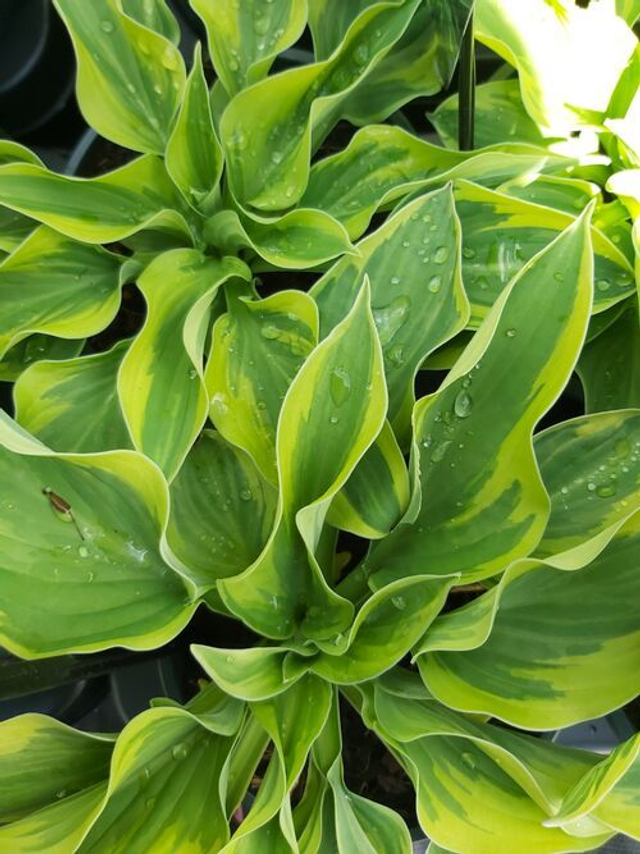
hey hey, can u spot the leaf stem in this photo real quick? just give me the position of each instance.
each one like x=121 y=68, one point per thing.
x=466 y=89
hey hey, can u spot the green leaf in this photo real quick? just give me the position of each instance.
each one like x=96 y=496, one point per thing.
x=629 y=10
x=163 y=368
x=570 y=195
x=14 y=228
x=591 y=469
x=499 y=115
x=584 y=664
x=609 y=366
x=268 y=162
x=130 y=78
x=421 y=62
x=384 y=630
x=298 y=240
x=540 y=38
x=91 y=576
x=363 y=825
x=383 y=163
x=221 y=511
x=245 y=38
x=478 y=500
x=53 y=285
x=333 y=411
x=257 y=348
x=608 y=793
x=165 y=789
x=293 y=720
x=157 y=16
x=248 y=674
x=501 y=233
x=479 y=787
x=413 y=264
x=33 y=349
x=375 y=497
x=72 y=405
x=137 y=196
x=13 y=152
x=194 y=155
x=58 y=828
x=43 y=760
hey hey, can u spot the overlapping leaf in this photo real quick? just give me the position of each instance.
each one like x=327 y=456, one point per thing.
x=383 y=163
x=137 y=196
x=130 y=78
x=332 y=412
x=56 y=286
x=244 y=38
x=478 y=499
x=584 y=664
x=501 y=233
x=72 y=404
x=257 y=349
x=221 y=511
x=268 y=161
x=162 y=371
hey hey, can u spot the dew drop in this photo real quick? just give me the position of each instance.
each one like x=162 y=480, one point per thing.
x=390 y=318
x=396 y=355
x=269 y=332
x=435 y=283
x=511 y=333
x=440 y=451
x=398 y=602
x=340 y=386
x=469 y=760
x=606 y=490
x=395 y=280
x=361 y=54
x=106 y=27
x=169 y=60
x=180 y=752
x=441 y=254
x=230 y=659
x=246 y=495
x=591 y=486
x=603 y=284
x=558 y=276
x=623 y=449
x=462 y=404
x=468 y=252
x=83 y=551
x=334 y=419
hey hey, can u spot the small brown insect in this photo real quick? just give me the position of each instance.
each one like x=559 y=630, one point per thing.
x=62 y=508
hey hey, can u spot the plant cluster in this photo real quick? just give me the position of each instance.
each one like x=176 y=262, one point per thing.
x=324 y=427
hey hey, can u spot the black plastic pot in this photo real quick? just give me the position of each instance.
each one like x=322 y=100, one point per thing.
x=36 y=67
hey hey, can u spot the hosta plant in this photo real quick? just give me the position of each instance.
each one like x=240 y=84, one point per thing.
x=327 y=428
